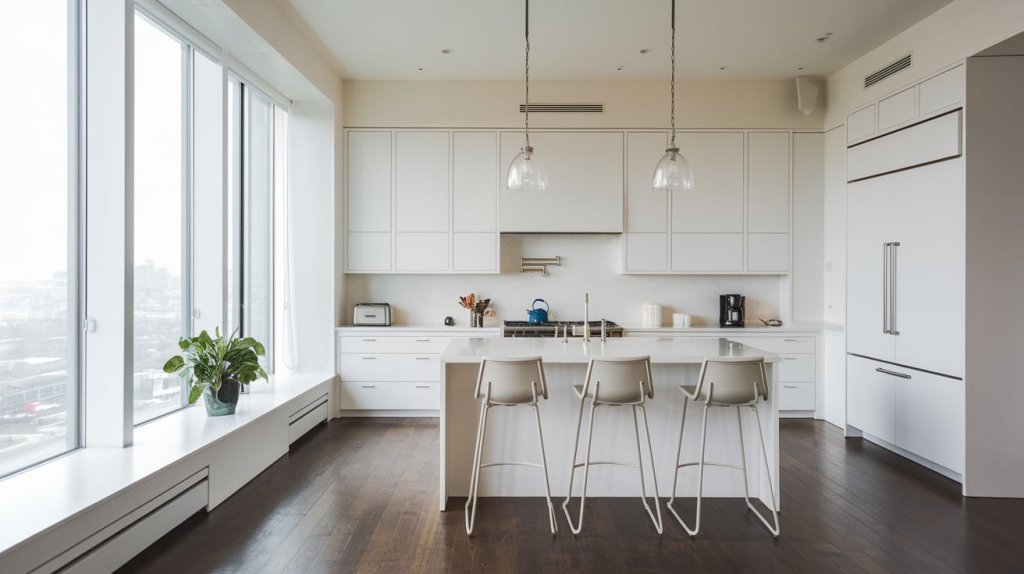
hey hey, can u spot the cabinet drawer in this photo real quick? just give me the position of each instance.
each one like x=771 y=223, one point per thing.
x=389 y=367
x=797 y=369
x=392 y=344
x=780 y=345
x=386 y=396
x=796 y=396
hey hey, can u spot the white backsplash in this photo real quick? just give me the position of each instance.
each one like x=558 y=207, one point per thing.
x=590 y=263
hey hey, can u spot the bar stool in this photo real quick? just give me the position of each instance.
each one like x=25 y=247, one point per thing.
x=731 y=383
x=613 y=383
x=508 y=383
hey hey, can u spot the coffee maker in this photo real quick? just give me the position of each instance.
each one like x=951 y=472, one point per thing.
x=730 y=310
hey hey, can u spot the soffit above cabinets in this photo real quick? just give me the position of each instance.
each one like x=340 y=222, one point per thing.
x=588 y=40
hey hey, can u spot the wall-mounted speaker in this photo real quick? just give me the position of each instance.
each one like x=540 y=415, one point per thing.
x=807 y=94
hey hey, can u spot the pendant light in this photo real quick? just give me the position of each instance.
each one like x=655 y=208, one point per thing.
x=673 y=172
x=527 y=173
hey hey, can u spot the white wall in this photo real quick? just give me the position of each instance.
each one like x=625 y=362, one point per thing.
x=589 y=263
x=628 y=104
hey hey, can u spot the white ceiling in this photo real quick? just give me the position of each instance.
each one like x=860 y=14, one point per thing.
x=590 y=39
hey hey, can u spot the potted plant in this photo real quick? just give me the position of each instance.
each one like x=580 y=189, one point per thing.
x=217 y=368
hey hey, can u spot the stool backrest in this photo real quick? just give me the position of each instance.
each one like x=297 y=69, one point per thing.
x=511 y=380
x=619 y=380
x=732 y=381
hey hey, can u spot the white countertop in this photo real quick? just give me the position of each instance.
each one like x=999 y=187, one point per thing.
x=675 y=350
x=455 y=331
x=759 y=329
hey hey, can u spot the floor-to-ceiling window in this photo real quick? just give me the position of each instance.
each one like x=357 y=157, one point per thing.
x=161 y=291
x=39 y=226
x=257 y=153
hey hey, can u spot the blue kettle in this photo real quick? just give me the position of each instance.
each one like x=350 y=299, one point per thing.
x=538 y=315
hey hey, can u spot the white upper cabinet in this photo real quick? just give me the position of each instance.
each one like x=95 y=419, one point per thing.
x=768 y=188
x=943 y=91
x=421 y=181
x=369 y=181
x=646 y=209
x=585 y=184
x=715 y=205
x=475 y=175
x=860 y=124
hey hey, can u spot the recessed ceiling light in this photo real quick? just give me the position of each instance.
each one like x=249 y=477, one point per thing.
x=645 y=51
x=446 y=51
x=618 y=68
x=722 y=67
x=800 y=68
x=420 y=69
x=825 y=38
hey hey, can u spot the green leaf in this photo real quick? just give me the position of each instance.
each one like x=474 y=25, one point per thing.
x=194 y=392
x=174 y=364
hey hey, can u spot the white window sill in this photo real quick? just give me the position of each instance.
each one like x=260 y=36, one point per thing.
x=52 y=493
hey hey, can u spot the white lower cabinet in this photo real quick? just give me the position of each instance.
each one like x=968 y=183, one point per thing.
x=393 y=370
x=918 y=412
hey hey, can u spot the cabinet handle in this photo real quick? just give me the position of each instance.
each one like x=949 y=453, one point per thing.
x=893 y=373
x=423 y=340
x=789 y=386
x=789 y=358
x=369 y=340
x=422 y=358
x=422 y=386
x=886 y=291
x=369 y=358
x=790 y=340
x=369 y=386
x=894 y=328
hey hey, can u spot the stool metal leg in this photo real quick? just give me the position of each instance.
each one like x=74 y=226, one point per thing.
x=547 y=483
x=700 y=480
x=771 y=489
x=586 y=468
x=679 y=454
x=474 y=480
x=640 y=465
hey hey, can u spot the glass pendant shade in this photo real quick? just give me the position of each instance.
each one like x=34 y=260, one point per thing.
x=527 y=173
x=673 y=172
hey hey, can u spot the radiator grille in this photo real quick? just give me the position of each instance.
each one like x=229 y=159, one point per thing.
x=892 y=69
x=563 y=108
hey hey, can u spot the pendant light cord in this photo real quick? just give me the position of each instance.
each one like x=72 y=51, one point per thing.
x=673 y=83
x=527 y=107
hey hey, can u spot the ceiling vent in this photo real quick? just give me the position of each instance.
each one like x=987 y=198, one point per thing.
x=564 y=108
x=890 y=70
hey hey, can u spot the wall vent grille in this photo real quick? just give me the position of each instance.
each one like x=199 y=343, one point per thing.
x=892 y=69
x=563 y=108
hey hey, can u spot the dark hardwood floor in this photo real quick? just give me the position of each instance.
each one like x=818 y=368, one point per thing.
x=361 y=496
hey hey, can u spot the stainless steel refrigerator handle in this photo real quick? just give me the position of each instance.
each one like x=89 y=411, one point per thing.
x=885 y=288
x=893 y=373
x=894 y=280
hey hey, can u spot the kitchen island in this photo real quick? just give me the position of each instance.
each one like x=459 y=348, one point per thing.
x=511 y=432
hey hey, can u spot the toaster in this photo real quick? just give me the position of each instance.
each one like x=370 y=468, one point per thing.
x=372 y=314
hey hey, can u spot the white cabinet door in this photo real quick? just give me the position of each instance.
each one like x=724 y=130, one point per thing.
x=475 y=181
x=897 y=109
x=475 y=252
x=930 y=417
x=927 y=142
x=585 y=184
x=369 y=181
x=860 y=124
x=368 y=252
x=945 y=90
x=871 y=398
x=707 y=252
x=768 y=160
x=421 y=181
x=768 y=252
x=715 y=204
x=646 y=252
x=871 y=220
x=421 y=252
x=930 y=267
x=646 y=209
